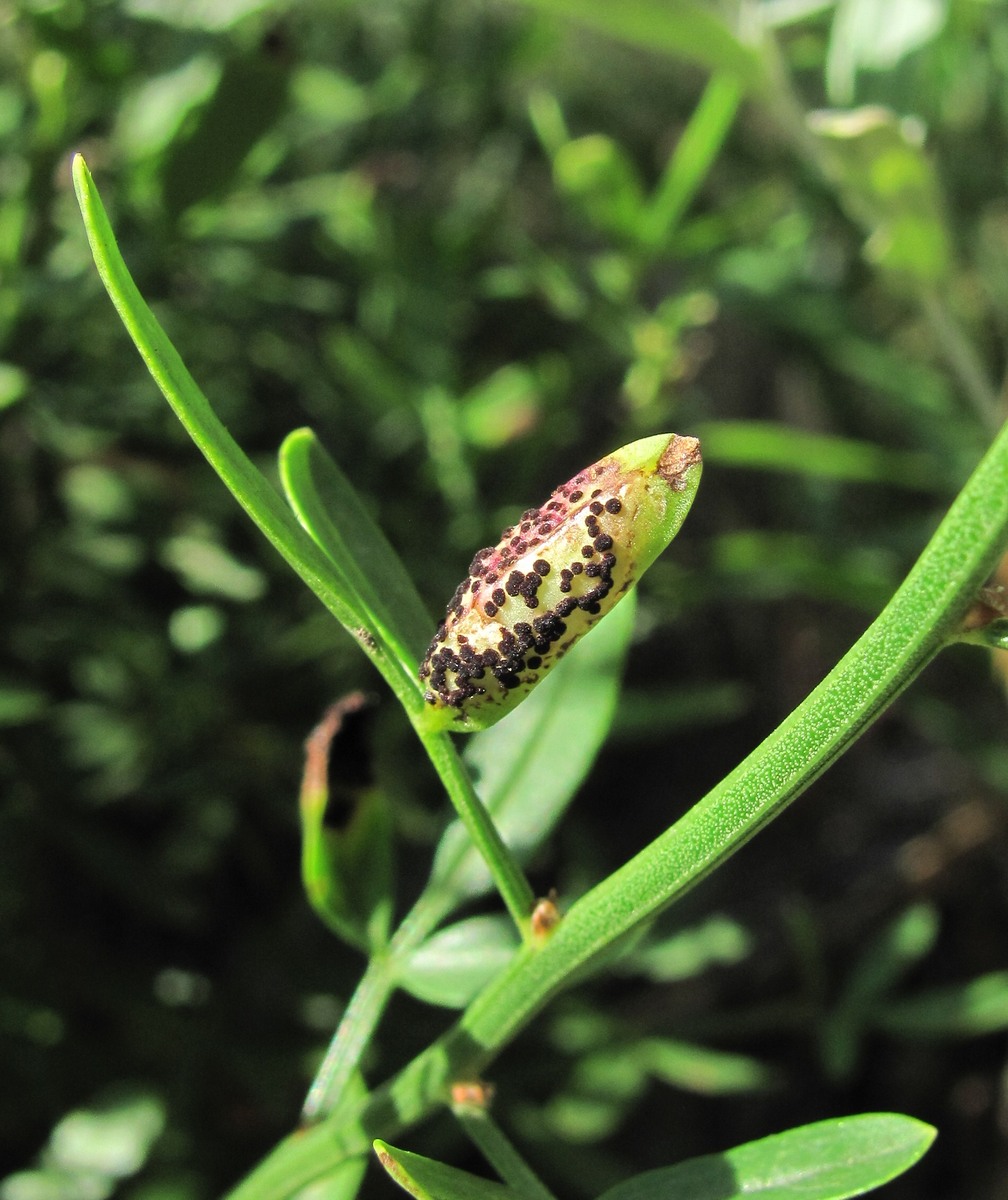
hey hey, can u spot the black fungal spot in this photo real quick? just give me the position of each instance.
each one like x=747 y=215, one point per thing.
x=588 y=551
x=490 y=609
x=596 y=506
x=613 y=505
x=541 y=566
x=499 y=598
x=576 y=496
x=534 y=662
x=603 y=542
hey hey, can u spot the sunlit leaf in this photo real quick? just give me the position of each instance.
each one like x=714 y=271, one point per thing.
x=453 y=964
x=427 y=1179
x=830 y=1160
x=333 y=514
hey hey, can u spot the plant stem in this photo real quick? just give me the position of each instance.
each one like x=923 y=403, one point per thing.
x=368 y=1003
x=507 y=874
x=352 y=1035
x=496 y=1148
x=920 y=619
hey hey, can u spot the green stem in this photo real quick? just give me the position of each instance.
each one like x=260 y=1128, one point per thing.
x=484 y=1132
x=920 y=619
x=368 y=1003
x=351 y=1038
x=507 y=873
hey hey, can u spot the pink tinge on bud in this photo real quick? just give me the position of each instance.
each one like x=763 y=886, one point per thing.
x=553 y=574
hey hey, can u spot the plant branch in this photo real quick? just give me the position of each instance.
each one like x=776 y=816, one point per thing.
x=922 y=617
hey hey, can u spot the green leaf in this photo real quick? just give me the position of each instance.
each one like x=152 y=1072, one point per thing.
x=346 y=870
x=248 y=485
x=700 y=1069
x=771 y=447
x=458 y=961
x=427 y=1179
x=902 y=944
x=691 y=161
x=962 y=1010
x=866 y=34
x=826 y=1161
x=596 y=174
x=331 y=511
x=553 y=735
x=685 y=30
x=717 y=941
x=249 y=98
x=888 y=185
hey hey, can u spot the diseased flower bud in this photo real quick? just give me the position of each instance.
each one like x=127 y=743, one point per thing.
x=552 y=575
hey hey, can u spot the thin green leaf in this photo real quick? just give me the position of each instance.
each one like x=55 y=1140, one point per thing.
x=700 y=1069
x=685 y=29
x=830 y=1160
x=903 y=943
x=596 y=174
x=248 y=485
x=962 y=1010
x=427 y=1179
x=331 y=511
x=770 y=447
x=695 y=152
x=552 y=736
x=717 y=941
x=458 y=961
x=889 y=186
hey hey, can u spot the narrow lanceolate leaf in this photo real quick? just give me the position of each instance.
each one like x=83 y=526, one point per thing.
x=551 y=576
x=831 y=1160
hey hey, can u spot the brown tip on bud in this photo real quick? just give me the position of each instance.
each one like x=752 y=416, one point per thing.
x=680 y=454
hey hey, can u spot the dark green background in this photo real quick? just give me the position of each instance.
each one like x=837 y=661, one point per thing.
x=346 y=217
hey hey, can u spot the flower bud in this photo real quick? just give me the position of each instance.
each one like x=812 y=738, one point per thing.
x=553 y=575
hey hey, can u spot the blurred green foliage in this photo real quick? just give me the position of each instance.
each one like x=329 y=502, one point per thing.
x=475 y=246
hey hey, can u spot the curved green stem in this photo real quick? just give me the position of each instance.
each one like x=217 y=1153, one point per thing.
x=921 y=618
